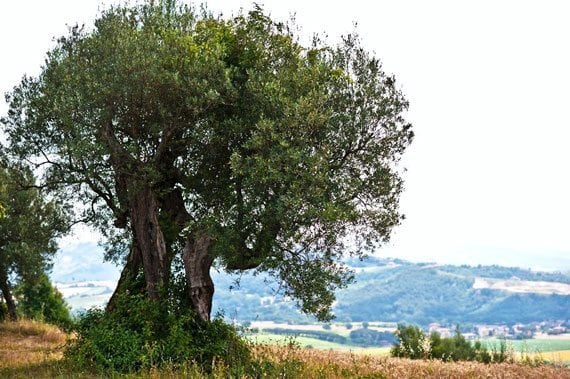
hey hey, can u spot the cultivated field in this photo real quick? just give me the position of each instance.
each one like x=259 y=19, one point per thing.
x=523 y=286
x=334 y=364
x=551 y=348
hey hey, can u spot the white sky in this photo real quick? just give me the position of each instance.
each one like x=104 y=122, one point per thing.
x=488 y=84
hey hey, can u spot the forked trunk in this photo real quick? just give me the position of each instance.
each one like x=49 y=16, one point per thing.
x=150 y=241
x=198 y=259
x=7 y=294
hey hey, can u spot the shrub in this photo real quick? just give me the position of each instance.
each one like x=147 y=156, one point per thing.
x=456 y=348
x=40 y=300
x=139 y=334
x=411 y=342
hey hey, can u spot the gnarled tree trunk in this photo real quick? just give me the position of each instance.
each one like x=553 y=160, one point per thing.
x=198 y=260
x=128 y=276
x=7 y=294
x=149 y=240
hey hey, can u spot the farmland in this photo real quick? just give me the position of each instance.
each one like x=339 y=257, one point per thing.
x=554 y=349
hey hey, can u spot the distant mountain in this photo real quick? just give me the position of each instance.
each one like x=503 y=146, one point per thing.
x=399 y=291
x=385 y=290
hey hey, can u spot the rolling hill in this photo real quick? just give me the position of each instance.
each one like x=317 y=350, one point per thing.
x=385 y=289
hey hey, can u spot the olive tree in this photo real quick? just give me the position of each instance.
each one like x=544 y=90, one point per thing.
x=218 y=142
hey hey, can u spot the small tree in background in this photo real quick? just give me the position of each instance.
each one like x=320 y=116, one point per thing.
x=411 y=342
x=39 y=299
x=28 y=231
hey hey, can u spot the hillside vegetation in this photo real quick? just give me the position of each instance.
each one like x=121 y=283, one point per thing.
x=385 y=289
x=400 y=291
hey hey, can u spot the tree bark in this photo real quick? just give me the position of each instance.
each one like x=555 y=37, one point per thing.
x=128 y=276
x=7 y=294
x=197 y=260
x=149 y=240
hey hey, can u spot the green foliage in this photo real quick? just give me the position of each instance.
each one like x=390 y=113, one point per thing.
x=140 y=334
x=456 y=348
x=411 y=342
x=277 y=151
x=31 y=225
x=38 y=299
x=29 y=230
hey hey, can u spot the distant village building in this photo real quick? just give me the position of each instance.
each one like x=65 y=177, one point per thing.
x=493 y=331
x=557 y=330
x=437 y=328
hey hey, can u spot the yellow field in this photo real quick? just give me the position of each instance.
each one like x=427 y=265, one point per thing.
x=554 y=356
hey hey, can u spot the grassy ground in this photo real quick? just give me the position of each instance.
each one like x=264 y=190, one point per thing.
x=27 y=342
x=34 y=350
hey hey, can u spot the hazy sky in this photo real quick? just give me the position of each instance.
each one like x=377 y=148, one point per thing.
x=488 y=84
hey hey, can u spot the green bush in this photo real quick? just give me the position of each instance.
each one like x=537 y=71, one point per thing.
x=140 y=334
x=40 y=300
x=456 y=348
x=413 y=343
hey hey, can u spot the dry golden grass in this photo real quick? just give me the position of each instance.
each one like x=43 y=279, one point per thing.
x=27 y=342
x=334 y=364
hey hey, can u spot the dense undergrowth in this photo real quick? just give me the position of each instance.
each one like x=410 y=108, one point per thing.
x=139 y=335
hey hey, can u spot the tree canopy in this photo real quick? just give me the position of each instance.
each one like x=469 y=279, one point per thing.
x=209 y=141
x=28 y=232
